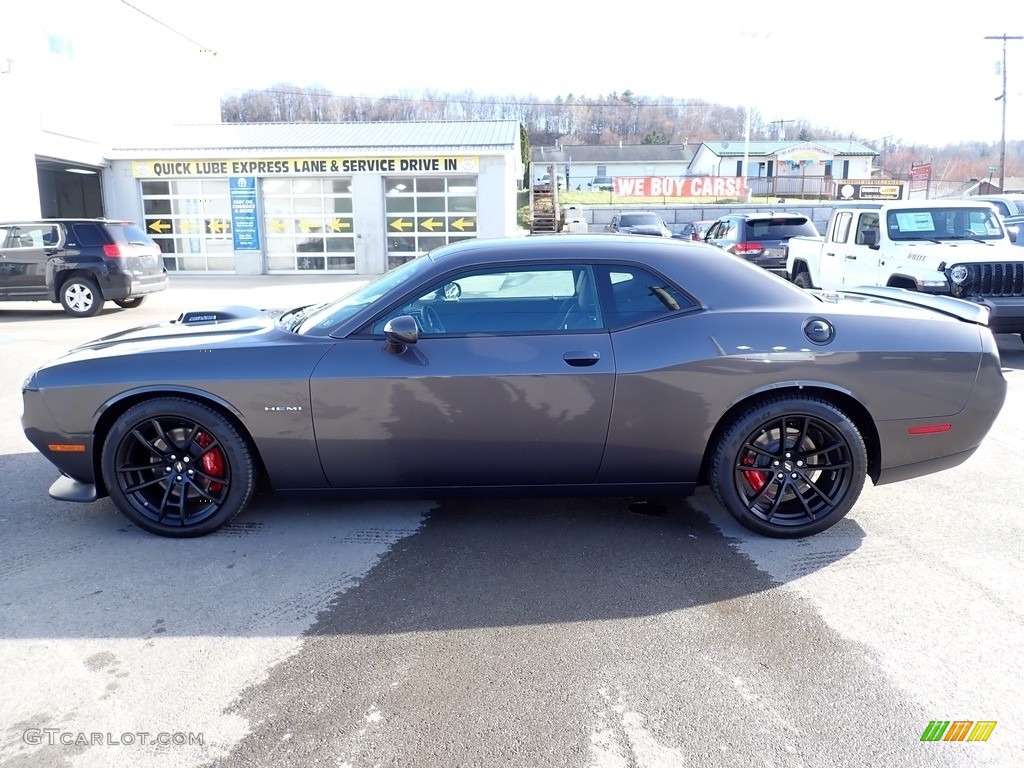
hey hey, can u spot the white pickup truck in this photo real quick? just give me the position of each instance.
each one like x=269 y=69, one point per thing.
x=950 y=247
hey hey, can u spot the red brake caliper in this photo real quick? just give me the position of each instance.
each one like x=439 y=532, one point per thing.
x=756 y=479
x=211 y=461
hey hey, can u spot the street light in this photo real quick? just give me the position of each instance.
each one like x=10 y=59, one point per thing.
x=1002 y=142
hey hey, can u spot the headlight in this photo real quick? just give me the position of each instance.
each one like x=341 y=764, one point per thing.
x=959 y=274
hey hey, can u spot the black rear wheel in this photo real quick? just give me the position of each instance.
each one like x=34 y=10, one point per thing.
x=130 y=303
x=802 y=280
x=177 y=468
x=789 y=467
x=80 y=296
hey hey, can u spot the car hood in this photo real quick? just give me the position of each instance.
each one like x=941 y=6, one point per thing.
x=198 y=329
x=956 y=251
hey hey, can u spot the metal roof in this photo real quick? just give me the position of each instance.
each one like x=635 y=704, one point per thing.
x=768 y=148
x=612 y=153
x=475 y=135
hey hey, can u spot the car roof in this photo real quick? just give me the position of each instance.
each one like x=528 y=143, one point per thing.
x=708 y=272
x=765 y=215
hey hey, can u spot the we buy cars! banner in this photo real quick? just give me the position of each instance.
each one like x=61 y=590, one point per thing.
x=690 y=186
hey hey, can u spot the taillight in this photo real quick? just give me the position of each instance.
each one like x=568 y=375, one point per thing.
x=112 y=251
x=747 y=249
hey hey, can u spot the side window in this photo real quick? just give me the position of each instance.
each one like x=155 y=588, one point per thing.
x=488 y=301
x=716 y=230
x=31 y=236
x=5 y=233
x=867 y=229
x=89 y=234
x=637 y=296
x=841 y=230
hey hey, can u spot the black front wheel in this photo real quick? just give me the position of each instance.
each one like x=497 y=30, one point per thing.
x=177 y=468
x=789 y=467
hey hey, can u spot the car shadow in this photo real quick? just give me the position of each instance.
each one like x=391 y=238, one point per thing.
x=333 y=566
x=44 y=312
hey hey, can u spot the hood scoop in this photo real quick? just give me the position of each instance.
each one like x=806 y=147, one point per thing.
x=217 y=315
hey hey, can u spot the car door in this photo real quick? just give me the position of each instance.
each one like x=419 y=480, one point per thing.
x=25 y=257
x=5 y=232
x=861 y=261
x=509 y=383
x=833 y=254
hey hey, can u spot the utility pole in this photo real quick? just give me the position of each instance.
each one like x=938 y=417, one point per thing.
x=1002 y=142
x=781 y=133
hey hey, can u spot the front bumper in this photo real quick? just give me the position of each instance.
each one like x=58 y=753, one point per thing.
x=70 y=453
x=1006 y=313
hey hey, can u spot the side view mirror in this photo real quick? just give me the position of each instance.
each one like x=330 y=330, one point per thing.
x=400 y=332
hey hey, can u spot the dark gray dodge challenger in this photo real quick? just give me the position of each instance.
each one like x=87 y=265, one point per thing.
x=545 y=365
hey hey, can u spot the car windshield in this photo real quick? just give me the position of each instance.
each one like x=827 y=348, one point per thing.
x=322 y=317
x=639 y=220
x=967 y=223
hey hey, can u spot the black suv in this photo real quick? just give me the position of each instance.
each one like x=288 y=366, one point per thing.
x=79 y=262
x=759 y=237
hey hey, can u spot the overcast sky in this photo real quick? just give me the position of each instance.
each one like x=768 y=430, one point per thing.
x=921 y=73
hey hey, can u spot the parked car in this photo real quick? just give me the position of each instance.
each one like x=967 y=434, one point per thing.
x=595 y=363
x=1007 y=205
x=1015 y=228
x=604 y=183
x=694 y=230
x=639 y=223
x=79 y=262
x=544 y=182
x=759 y=237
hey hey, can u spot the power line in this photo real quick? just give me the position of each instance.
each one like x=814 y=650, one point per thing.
x=179 y=33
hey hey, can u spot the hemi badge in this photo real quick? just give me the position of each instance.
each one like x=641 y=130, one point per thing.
x=282 y=407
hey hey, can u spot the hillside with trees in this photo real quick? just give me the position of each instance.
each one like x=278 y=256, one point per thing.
x=617 y=117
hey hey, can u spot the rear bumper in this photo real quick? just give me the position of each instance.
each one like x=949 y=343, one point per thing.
x=912 y=455
x=122 y=286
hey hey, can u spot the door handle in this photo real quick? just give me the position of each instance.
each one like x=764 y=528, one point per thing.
x=851 y=258
x=581 y=359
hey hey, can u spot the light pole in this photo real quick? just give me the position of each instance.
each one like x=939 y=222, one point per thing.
x=1002 y=142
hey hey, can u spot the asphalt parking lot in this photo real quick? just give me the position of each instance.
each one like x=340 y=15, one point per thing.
x=569 y=632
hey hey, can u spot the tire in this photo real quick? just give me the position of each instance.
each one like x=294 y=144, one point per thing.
x=130 y=303
x=80 y=296
x=177 y=468
x=794 y=489
x=802 y=280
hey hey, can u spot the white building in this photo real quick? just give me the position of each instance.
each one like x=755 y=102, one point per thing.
x=110 y=113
